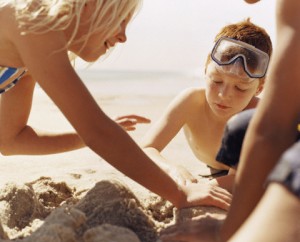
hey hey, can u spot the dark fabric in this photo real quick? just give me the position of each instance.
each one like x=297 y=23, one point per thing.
x=235 y=130
x=287 y=171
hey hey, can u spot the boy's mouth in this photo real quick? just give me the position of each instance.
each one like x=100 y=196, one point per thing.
x=222 y=106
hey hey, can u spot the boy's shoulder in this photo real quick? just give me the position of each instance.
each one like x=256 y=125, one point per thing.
x=191 y=93
x=190 y=99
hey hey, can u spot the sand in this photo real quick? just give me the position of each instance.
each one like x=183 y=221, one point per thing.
x=77 y=196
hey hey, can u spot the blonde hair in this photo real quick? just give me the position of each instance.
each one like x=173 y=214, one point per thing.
x=42 y=16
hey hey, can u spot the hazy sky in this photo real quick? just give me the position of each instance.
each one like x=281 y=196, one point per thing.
x=176 y=35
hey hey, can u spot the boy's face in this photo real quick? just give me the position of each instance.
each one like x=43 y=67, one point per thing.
x=227 y=93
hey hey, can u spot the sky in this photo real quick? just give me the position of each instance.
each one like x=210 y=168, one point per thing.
x=177 y=35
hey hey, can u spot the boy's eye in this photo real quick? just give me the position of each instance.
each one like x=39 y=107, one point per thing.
x=240 y=89
x=217 y=81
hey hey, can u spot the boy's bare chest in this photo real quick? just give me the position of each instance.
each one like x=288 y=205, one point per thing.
x=204 y=139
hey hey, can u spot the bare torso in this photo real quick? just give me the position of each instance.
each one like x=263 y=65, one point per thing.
x=203 y=133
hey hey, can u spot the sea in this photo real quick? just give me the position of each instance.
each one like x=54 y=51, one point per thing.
x=142 y=83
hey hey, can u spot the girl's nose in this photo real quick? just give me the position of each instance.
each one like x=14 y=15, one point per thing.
x=122 y=37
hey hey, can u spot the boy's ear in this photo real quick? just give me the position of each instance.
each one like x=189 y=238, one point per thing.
x=260 y=88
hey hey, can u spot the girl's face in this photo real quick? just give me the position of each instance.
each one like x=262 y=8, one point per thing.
x=228 y=94
x=97 y=44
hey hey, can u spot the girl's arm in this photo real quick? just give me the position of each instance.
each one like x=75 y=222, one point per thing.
x=19 y=138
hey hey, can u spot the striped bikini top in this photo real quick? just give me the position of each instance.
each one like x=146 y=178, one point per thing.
x=9 y=76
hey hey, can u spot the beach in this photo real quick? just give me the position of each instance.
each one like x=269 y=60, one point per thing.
x=77 y=196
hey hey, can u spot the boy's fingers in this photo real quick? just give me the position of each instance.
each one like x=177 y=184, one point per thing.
x=133 y=117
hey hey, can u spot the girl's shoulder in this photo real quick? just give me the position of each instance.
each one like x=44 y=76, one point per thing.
x=7 y=17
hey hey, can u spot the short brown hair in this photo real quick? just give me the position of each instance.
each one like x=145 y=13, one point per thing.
x=247 y=32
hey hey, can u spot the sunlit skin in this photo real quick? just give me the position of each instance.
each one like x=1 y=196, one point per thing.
x=202 y=113
x=96 y=45
x=262 y=211
x=228 y=94
x=46 y=58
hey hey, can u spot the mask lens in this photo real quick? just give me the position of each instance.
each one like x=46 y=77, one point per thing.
x=226 y=51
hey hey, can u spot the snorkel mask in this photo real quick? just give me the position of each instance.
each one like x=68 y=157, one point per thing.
x=237 y=57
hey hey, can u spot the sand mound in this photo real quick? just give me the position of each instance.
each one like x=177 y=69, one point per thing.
x=108 y=207
x=51 y=194
x=3 y=235
x=160 y=209
x=48 y=211
x=113 y=203
x=23 y=207
x=19 y=206
x=59 y=226
x=109 y=233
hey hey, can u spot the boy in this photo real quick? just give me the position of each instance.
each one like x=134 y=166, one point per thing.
x=231 y=87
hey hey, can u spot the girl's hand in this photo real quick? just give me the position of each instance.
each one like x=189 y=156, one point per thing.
x=129 y=122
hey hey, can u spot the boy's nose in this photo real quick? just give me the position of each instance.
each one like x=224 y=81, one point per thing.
x=224 y=92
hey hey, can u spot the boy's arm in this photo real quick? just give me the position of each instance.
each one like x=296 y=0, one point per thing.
x=180 y=174
x=164 y=130
x=129 y=122
x=169 y=123
x=273 y=128
x=226 y=182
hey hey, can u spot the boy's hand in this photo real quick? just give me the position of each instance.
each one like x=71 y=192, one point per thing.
x=181 y=175
x=128 y=122
x=205 y=229
x=204 y=194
